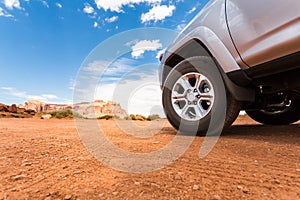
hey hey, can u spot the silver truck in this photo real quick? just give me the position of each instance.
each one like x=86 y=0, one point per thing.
x=234 y=55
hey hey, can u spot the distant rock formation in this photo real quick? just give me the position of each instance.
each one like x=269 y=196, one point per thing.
x=94 y=109
x=35 y=105
x=12 y=109
x=100 y=108
x=3 y=108
x=15 y=111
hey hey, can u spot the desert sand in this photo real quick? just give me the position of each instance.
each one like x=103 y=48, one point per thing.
x=45 y=159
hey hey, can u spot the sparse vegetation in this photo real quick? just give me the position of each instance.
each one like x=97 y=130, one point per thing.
x=138 y=117
x=30 y=112
x=106 y=117
x=132 y=117
x=15 y=116
x=64 y=114
x=127 y=118
x=143 y=118
x=153 y=117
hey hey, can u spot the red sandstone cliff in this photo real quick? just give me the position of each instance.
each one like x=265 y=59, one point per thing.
x=94 y=109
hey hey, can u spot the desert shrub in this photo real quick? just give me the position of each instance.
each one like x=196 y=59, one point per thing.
x=138 y=117
x=153 y=117
x=61 y=115
x=127 y=118
x=107 y=117
x=31 y=112
x=77 y=115
x=132 y=117
x=64 y=114
x=117 y=117
x=15 y=116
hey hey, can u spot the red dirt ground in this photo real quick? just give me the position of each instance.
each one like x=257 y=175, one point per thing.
x=44 y=159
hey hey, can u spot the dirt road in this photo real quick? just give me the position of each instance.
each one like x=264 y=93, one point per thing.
x=44 y=159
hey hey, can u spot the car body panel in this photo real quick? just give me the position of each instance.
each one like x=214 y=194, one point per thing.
x=261 y=34
x=212 y=33
x=239 y=41
x=213 y=43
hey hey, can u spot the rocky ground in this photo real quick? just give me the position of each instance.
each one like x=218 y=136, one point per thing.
x=44 y=159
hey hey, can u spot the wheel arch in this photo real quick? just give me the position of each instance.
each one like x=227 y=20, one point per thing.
x=204 y=42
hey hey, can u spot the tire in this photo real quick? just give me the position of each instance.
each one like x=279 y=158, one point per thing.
x=285 y=115
x=195 y=98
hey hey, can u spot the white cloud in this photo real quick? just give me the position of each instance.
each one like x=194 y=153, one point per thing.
x=49 y=96
x=7 y=88
x=11 y=4
x=96 y=67
x=180 y=27
x=106 y=68
x=71 y=84
x=96 y=25
x=106 y=72
x=146 y=99
x=88 y=9
x=111 y=19
x=25 y=96
x=3 y=13
x=58 y=5
x=119 y=67
x=136 y=96
x=134 y=86
x=45 y=3
x=192 y=10
x=157 y=13
x=14 y=92
x=139 y=47
x=116 y=5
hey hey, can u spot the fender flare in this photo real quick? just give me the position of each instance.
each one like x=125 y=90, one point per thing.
x=217 y=50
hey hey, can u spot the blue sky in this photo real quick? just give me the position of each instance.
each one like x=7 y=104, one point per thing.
x=44 y=43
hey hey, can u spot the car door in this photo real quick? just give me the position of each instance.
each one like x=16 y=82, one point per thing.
x=264 y=30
